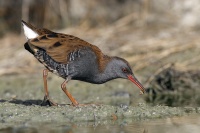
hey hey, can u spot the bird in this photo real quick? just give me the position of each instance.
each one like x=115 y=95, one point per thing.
x=72 y=58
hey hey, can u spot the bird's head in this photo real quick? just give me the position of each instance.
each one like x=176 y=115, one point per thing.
x=120 y=68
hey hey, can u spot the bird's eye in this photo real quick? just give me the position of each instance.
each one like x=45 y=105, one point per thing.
x=124 y=70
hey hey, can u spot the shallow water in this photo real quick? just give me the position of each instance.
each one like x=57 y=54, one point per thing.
x=186 y=124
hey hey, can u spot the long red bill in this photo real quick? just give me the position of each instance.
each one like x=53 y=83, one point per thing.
x=136 y=82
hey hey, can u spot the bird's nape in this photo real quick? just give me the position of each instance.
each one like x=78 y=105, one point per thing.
x=133 y=79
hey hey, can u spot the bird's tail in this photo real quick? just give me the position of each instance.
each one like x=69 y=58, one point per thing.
x=32 y=32
x=29 y=30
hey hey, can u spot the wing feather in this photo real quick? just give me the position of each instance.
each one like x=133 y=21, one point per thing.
x=59 y=46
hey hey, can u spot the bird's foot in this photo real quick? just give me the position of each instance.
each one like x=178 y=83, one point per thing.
x=48 y=102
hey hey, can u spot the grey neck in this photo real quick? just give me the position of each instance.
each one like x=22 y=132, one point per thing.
x=109 y=73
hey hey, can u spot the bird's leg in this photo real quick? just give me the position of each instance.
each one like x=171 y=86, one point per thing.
x=46 y=100
x=72 y=99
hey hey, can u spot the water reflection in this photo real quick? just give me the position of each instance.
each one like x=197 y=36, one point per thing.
x=186 y=124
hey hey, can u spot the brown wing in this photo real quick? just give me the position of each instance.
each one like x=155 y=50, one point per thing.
x=59 y=46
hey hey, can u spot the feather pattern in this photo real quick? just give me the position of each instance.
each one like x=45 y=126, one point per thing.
x=63 y=48
x=73 y=58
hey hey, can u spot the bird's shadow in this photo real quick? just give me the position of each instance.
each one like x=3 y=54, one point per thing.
x=29 y=102
x=23 y=102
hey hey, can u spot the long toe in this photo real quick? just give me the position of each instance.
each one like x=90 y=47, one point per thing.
x=48 y=102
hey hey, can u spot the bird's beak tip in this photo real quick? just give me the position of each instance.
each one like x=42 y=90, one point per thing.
x=136 y=82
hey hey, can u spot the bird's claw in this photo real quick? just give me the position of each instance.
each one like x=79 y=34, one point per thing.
x=48 y=102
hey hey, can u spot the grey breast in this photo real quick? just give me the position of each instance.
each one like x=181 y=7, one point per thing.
x=83 y=64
